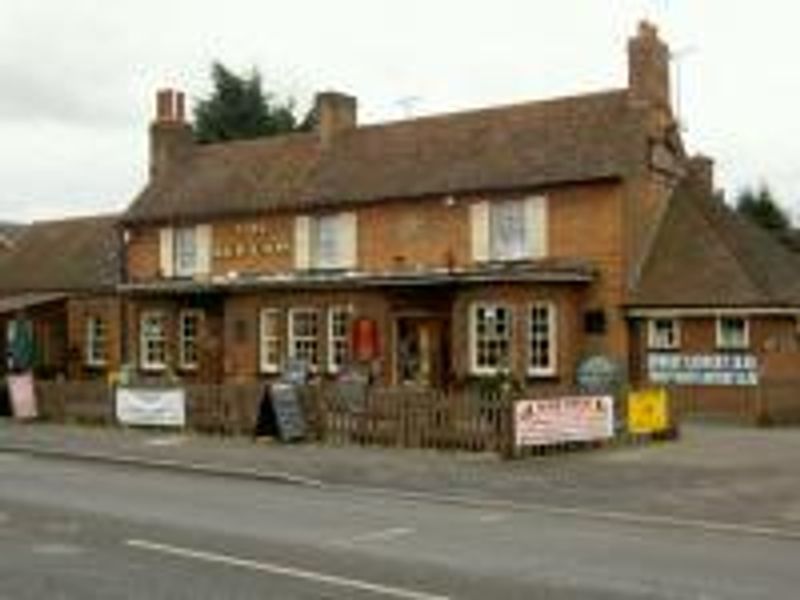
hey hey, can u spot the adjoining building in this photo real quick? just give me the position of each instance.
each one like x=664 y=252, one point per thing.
x=59 y=309
x=716 y=307
x=451 y=247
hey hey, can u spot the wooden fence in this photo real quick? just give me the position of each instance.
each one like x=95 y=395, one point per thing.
x=467 y=420
x=422 y=418
x=772 y=402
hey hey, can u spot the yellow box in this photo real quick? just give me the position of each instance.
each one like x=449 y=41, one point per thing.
x=648 y=411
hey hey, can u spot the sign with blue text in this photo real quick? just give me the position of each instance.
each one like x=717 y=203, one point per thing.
x=702 y=369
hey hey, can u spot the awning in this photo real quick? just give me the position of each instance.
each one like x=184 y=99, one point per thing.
x=10 y=304
x=556 y=273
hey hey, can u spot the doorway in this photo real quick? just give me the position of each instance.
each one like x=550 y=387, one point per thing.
x=421 y=351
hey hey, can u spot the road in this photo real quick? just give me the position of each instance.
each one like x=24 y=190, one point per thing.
x=71 y=529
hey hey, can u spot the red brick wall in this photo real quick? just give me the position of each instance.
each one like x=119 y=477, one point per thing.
x=109 y=308
x=773 y=340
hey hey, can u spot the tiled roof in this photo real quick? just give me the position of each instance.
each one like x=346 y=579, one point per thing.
x=527 y=145
x=63 y=256
x=705 y=255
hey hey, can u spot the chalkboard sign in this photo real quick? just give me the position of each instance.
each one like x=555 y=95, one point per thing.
x=288 y=412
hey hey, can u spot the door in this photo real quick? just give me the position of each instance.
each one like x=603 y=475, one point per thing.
x=421 y=351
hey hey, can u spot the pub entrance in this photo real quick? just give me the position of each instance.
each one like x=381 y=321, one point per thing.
x=422 y=350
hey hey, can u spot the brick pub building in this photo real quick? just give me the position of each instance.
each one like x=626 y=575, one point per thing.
x=520 y=239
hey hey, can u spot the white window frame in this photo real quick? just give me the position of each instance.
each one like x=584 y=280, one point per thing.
x=96 y=345
x=187 y=365
x=519 y=250
x=334 y=340
x=267 y=366
x=552 y=340
x=293 y=338
x=342 y=229
x=144 y=360
x=655 y=342
x=723 y=344
x=179 y=267
x=474 y=308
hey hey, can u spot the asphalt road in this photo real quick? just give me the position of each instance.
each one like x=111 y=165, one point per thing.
x=85 y=530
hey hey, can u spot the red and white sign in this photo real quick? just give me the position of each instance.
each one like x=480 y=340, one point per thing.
x=559 y=420
x=23 y=397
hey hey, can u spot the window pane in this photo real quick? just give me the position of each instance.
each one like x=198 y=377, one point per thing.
x=491 y=338
x=270 y=340
x=326 y=242
x=507 y=230
x=541 y=351
x=304 y=331
x=185 y=251
x=338 y=342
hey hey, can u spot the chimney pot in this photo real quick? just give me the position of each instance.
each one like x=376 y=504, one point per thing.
x=171 y=138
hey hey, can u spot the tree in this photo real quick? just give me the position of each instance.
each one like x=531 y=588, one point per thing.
x=238 y=108
x=761 y=207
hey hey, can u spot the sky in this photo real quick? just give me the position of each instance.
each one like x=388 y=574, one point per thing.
x=78 y=78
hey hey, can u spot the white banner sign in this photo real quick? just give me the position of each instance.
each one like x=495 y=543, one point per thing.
x=573 y=419
x=153 y=407
x=702 y=369
x=23 y=396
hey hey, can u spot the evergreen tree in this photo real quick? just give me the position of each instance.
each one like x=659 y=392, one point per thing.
x=238 y=108
x=761 y=207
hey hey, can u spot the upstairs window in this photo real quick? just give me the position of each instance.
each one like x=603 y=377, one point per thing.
x=733 y=333
x=326 y=241
x=96 y=342
x=490 y=339
x=663 y=334
x=185 y=253
x=509 y=230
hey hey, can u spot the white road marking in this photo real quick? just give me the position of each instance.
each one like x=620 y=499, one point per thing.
x=166 y=441
x=633 y=518
x=492 y=518
x=275 y=569
x=381 y=535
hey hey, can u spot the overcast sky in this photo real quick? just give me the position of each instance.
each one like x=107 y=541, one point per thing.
x=77 y=78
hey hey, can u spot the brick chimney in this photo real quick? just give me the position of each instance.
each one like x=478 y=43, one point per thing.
x=336 y=114
x=171 y=137
x=648 y=68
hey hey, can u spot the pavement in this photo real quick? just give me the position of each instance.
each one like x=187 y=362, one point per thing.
x=89 y=529
x=714 y=477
